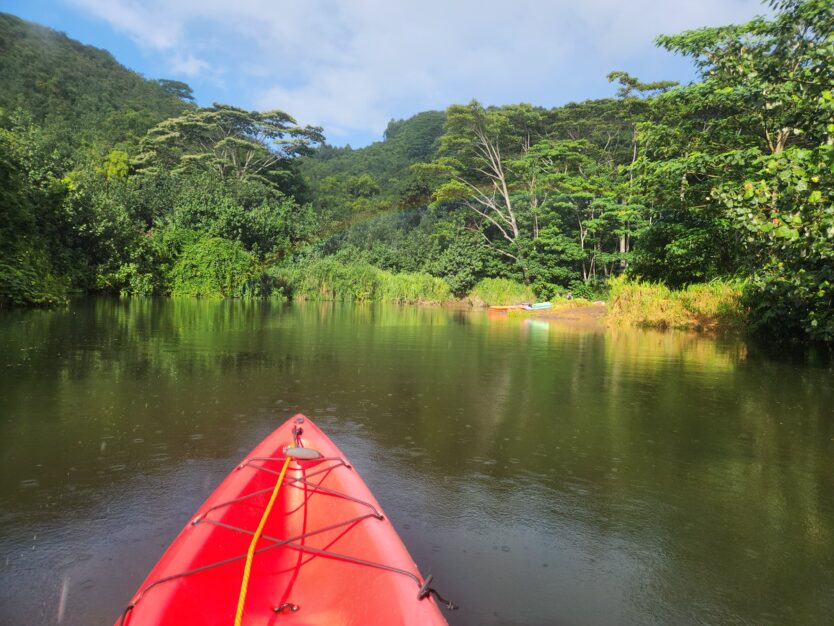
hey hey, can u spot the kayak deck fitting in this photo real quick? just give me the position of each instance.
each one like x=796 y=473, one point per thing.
x=316 y=542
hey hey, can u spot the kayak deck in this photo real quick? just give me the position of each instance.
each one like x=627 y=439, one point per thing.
x=327 y=554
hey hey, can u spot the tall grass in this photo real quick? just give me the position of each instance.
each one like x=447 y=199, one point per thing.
x=327 y=279
x=413 y=287
x=715 y=305
x=490 y=291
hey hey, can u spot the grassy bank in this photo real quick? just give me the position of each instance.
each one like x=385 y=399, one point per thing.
x=710 y=306
x=215 y=268
x=500 y=291
x=326 y=279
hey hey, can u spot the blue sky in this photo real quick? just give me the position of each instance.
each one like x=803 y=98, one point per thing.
x=352 y=65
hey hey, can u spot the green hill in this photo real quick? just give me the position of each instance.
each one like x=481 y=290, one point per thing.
x=405 y=142
x=377 y=176
x=64 y=84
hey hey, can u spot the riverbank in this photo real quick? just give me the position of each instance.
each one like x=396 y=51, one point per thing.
x=590 y=316
x=712 y=307
x=715 y=306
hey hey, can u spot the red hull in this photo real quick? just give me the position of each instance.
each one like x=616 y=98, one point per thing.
x=326 y=589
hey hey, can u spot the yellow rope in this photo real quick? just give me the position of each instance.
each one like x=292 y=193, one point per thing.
x=244 y=584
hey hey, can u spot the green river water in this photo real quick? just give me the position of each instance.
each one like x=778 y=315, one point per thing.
x=544 y=474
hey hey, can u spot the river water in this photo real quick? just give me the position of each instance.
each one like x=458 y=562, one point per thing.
x=543 y=473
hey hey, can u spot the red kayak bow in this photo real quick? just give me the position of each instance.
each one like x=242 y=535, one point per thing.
x=317 y=546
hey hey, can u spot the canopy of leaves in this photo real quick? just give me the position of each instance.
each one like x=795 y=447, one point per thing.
x=228 y=142
x=334 y=173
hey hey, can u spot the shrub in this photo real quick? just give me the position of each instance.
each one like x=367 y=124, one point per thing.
x=27 y=278
x=212 y=268
x=327 y=279
x=787 y=304
x=24 y=286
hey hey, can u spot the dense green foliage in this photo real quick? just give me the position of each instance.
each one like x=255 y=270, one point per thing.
x=79 y=91
x=738 y=168
x=212 y=268
x=328 y=279
x=727 y=178
x=148 y=194
x=349 y=185
x=27 y=272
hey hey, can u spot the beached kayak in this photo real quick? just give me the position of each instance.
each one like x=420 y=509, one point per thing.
x=527 y=306
x=317 y=546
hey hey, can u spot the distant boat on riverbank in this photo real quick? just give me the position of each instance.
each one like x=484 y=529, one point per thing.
x=527 y=306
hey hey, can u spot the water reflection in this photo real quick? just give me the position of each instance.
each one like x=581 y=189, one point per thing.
x=544 y=473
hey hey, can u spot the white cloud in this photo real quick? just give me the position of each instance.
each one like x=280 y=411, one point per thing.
x=136 y=21
x=188 y=65
x=351 y=65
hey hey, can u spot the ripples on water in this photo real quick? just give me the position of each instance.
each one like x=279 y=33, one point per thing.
x=543 y=474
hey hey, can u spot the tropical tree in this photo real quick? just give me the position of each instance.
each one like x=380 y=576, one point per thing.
x=229 y=142
x=477 y=146
x=545 y=190
x=737 y=167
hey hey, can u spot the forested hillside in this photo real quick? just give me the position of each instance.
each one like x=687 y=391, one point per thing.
x=441 y=223
x=69 y=87
x=726 y=181
x=117 y=184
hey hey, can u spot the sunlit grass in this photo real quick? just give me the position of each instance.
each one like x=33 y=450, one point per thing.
x=715 y=305
x=500 y=291
x=326 y=279
x=408 y=287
